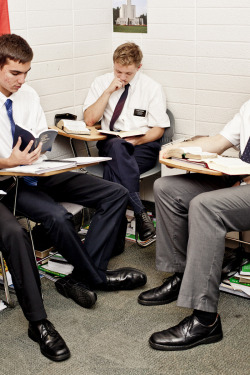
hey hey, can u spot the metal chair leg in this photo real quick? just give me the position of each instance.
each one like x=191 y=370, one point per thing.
x=5 y=281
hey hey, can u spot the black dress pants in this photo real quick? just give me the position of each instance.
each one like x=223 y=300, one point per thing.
x=128 y=161
x=18 y=254
x=40 y=204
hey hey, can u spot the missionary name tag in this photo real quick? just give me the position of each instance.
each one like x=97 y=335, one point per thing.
x=140 y=112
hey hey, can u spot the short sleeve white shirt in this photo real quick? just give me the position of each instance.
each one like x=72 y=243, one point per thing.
x=145 y=105
x=27 y=112
x=237 y=131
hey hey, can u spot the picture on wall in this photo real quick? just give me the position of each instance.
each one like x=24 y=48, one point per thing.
x=130 y=16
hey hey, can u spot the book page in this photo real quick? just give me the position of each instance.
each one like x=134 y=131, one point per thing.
x=88 y=159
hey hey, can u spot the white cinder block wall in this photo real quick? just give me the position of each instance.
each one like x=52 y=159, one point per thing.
x=198 y=49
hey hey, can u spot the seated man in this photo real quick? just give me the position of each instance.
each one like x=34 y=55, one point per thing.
x=194 y=213
x=144 y=109
x=38 y=200
x=18 y=254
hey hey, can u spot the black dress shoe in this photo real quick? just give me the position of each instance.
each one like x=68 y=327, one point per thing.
x=124 y=279
x=51 y=343
x=144 y=226
x=187 y=334
x=163 y=294
x=76 y=290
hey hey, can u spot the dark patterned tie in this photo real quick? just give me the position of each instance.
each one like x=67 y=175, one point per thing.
x=8 y=105
x=246 y=154
x=119 y=107
x=32 y=181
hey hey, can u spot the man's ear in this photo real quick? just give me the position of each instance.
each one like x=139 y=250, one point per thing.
x=139 y=66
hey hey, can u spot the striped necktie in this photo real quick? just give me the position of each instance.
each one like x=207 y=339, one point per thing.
x=32 y=181
x=246 y=154
x=119 y=107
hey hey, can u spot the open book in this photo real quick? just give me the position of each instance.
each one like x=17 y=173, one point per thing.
x=231 y=166
x=54 y=165
x=73 y=127
x=123 y=134
x=41 y=167
x=88 y=159
x=47 y=138
x=190 y=153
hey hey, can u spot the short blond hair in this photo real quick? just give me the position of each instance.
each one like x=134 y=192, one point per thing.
x=128 y=54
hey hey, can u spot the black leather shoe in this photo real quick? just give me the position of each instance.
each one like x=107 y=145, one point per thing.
x=144 y=226
x=124 y=279
x=51 y=343
x=163 y=294
x=76 y=290
x=187 y=334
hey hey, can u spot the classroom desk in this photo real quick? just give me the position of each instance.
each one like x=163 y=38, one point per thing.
x=172 y=163
x=93 y=136
x=46 y=174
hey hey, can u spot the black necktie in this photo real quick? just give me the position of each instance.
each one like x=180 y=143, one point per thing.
x=119 y=107
x=246 y=154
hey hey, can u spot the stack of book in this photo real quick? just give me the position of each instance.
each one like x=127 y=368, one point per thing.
x=42 y=256
x=56 y=266
x=9 y=279
x=239 y=284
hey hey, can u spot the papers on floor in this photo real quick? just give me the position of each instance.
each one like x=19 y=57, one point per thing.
x=2 y=305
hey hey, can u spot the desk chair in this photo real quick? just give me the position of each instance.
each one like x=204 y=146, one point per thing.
x=97 y=170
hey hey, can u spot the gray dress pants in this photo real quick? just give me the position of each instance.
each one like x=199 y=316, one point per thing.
x=194 y=212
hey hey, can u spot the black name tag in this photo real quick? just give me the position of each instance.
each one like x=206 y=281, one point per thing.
x=140 y=112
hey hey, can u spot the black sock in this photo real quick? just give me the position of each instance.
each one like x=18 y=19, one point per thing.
x=205 y=318
x=179 y=274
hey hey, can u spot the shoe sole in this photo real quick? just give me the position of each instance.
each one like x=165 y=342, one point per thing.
x=147 y=237
x=207 y=340
x=83 y=297
x=156 y=303
x=58 y=358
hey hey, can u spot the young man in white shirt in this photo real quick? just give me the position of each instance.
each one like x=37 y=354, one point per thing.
x=144 y=109
x=194 y=212
x=38 y=200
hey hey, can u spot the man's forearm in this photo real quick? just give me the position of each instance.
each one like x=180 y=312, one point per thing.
x=217 y=144
x=94 y=112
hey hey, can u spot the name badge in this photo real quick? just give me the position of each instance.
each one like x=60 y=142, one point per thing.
x=140 y=112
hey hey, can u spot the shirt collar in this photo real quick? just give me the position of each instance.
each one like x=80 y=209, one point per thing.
x=134 y=80
x=3 y=99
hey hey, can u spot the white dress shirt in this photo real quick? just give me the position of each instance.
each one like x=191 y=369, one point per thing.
x=237 y=131
x=145 y=98
x=27 y=112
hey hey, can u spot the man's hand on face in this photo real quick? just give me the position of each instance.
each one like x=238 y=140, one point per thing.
x=18 y=157
x=115 y=85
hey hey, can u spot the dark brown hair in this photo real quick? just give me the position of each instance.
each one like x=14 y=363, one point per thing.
x=14 y=47
x=127 y=54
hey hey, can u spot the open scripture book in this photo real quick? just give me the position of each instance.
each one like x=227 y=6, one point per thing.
x=47 y=138
x=194 y=155
x=73 y=127
x=123 y=134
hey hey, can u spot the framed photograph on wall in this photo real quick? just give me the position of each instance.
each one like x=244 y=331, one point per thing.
x=130 y=16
